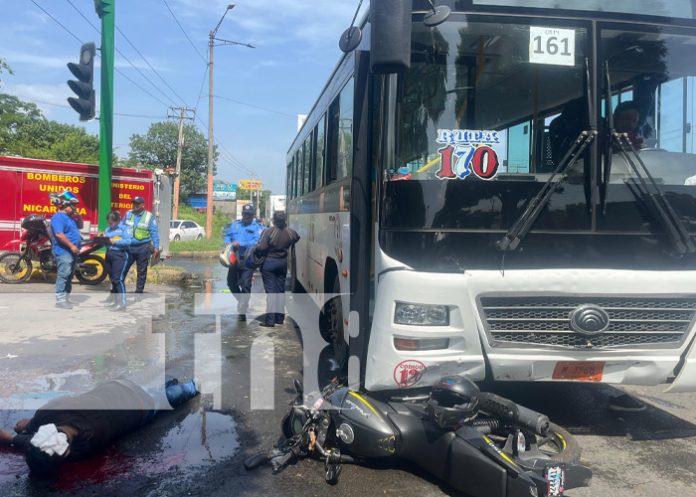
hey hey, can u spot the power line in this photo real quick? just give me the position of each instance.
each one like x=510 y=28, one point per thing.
x=83 y=16
x=200 y=92
x=53 y=104
x=81 y=42
x=255 y=106
x=56 y=21
x=150 y=65
x=124 y=57
x=142 y=116
x=141 y=88
x=235 y=160
x=184 y=31
x=227 y=155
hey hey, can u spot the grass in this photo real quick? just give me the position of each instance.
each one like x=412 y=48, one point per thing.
x=204 y=245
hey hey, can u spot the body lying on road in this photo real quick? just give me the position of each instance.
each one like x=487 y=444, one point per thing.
x=73 y=428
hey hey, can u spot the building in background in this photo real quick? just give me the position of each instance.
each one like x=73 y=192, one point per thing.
x=277 y=204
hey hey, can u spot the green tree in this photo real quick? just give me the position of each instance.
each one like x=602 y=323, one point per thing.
x=265 y=198
x=26 y=132
x=158 y=147
x=4 y=67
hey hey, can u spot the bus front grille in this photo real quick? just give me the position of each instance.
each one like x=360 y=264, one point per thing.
x=634 y=322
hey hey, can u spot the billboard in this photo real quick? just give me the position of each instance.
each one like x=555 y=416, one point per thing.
x=224 y=191
x=250 y=184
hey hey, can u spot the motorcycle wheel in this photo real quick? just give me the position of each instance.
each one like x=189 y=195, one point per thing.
x=15 y=268
x=559 y=445
x=96 y=273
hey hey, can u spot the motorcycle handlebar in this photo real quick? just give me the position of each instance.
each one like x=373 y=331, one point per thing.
x=507 y=409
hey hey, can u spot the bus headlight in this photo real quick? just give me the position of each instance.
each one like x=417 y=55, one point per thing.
x=421 y=314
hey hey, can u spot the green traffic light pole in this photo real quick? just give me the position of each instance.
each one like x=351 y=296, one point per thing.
x=106 y=10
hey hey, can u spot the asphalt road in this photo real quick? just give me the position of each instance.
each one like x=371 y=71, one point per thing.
x=199 y=449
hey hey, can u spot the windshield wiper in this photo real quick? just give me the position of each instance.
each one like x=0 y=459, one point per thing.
x=656 y=201
x=653 y=196
x=524 y=223
x=608 y=140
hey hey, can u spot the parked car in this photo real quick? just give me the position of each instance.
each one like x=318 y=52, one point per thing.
x=185 y=230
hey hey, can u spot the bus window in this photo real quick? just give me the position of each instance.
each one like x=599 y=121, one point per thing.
x=320 y=134
x=288 y=180
x=298 y=172
x=332 y=142
x=345 y=135
x=293 y=179
x=307 y=163
x=653 y=77
x=313 y=165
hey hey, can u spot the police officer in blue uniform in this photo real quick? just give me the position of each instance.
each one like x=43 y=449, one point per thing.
x=242 y=234
x=145 y=240
x=117 y=258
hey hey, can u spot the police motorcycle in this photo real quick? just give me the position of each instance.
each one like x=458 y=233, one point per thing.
x=478 y=443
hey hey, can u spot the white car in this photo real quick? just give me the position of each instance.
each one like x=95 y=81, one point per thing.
x=185 y=230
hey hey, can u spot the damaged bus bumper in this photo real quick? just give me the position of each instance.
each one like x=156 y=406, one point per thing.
x=520 y=326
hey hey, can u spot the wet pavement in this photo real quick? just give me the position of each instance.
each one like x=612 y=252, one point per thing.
x=199 y=449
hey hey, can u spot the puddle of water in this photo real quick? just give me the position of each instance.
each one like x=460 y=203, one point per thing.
x=11 y=465
x=200 y=439
x=207 y=269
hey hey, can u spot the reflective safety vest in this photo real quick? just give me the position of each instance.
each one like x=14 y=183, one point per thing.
x=142 y=230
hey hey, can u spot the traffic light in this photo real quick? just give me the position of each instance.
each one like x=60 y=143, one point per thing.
x=99 y=8
x=85 y=104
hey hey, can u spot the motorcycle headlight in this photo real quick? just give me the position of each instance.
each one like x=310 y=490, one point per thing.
x=421 y=314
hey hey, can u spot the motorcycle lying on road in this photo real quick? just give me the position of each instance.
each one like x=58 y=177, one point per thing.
x=486 y=447
x=35 y=247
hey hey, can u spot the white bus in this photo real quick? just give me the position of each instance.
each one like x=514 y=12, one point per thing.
x=507 y=191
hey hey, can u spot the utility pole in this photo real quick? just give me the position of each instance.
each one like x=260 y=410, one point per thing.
x=183 y=116
x=106 y=10
x=211 y=137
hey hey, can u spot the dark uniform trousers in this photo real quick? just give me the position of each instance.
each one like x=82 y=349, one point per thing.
x=140 y=255
x=239 y=282
x=273 y=272
x=117 y=266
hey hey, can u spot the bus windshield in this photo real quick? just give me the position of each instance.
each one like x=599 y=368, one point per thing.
x=490 y=106
x=472 y=84
x=668 y=8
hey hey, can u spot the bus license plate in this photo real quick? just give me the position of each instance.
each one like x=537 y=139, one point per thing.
x=579 y=371
x=556 y=478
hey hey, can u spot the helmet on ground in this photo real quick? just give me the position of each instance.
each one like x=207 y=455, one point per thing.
x=228 y=257
x=64 y=198
x=453 y=401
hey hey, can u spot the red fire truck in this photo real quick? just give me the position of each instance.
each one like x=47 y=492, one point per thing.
x=27 y=183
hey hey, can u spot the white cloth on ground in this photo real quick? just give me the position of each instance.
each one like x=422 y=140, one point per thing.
x=49 y=440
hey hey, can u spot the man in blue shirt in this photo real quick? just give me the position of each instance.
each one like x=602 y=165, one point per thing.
x=242 y=234
x=66 y=240
x=145 y=240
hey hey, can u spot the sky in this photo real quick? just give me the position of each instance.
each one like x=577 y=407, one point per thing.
x=259 y=91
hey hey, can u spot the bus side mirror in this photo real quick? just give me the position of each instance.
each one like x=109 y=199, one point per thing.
x=390 y=35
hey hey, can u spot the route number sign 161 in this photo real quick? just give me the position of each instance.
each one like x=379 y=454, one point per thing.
x=551 y=46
